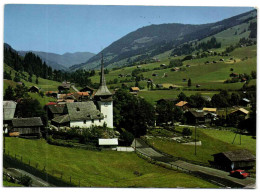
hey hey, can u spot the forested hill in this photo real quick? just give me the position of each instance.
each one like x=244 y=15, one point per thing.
x=155 y=39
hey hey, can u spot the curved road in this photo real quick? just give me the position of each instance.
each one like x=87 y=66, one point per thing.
x=218 y=176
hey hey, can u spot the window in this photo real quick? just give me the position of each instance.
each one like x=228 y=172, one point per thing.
x=78 y=109
x=85 y=121
x=99 y=120
x=92 y=120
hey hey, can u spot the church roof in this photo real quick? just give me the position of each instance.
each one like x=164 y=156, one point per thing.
x=79 y=111
x=102 y=90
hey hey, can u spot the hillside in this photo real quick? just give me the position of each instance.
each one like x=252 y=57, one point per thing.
x=152 y=40
x=61 y=62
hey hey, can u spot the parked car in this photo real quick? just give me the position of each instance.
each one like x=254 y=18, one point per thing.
x=239 y=174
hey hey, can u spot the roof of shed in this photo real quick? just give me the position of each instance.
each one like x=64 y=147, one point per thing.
x=238 y=155
x=58 y=108
x=181 y=103
x=61 y=119
x=27 y=122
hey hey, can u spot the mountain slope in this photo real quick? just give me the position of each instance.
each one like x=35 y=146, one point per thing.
x=61 y=62
x=155 y=39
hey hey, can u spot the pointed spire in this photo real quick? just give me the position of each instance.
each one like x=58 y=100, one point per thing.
x=102 y=90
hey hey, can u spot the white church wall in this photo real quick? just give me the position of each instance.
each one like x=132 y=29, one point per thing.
x=107 y=110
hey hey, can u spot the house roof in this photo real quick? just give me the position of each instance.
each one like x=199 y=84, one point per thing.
x=241 y=110
x=83 y=93
x=83 y=111
x=246 y=100
x=56 y=109
x=181 y=103
x=197 y=113
x=61 y=119
x=113 y=141
x=27 y=122
x=210 y=109
x=9 y=109
x=34 y=87
x=238 y=155
x=135 y=88
x=206 y=98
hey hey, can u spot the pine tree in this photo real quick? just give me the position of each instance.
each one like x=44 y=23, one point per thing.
x=189 y=82
x=9 y=94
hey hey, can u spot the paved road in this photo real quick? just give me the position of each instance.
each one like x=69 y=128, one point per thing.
x=75 y=89
x=216 y=175
x=36 y=181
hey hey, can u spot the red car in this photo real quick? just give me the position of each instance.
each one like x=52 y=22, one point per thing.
x=239 y=174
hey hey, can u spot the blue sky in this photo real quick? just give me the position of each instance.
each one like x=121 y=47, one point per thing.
x=73 y=28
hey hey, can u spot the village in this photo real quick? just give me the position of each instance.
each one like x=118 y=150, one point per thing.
x=165 y=106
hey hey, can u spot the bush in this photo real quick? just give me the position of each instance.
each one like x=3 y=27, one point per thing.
x=186 y=132
x=127 y=138
x=25 y=180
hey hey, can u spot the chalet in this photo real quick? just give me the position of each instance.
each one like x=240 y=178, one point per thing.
x=27 y=127
x=34 y=89
x=197 y=85
x=134 y=89
x=8 y=114
x=187 y=65
x=88 y=89
x=221 y=60
x=184 y=105
x=246 y=102
x=154 y=74
x=233 y=75
x=212 y=110
x=55 y=110
x=238 y=159
x=184 y=80
x=139 y=66
x=206 y=98
x=241 y=112
x=64 y=87
x=195 y=116
x=120 y=75
x=52 y=94
x=61 y=121
x=214 y=61
x=149 y=80
x=175 y=69
x=159 y=86
x=162 y=65
x=81 y=96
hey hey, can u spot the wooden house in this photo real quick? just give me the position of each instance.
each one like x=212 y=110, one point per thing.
x=55 y=110
x=34 y=89
x=238 y=159
x=88 y=89
x=241 y=112
x=195 y=116
x=134 y=89
x=184 y=105
x=27 y=127
x=64 y=87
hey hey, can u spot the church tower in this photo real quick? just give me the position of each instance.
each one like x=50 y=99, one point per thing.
x=104 y=98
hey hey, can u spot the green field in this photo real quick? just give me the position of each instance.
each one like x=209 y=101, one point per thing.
x=99 y=169
x=213 y=141
x=9 y=184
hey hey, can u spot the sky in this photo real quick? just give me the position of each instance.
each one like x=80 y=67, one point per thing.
x=79 y=28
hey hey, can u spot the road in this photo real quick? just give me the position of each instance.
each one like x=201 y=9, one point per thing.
x=218 y=176
x=36 y=181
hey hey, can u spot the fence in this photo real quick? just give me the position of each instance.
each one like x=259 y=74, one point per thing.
x=54 y=177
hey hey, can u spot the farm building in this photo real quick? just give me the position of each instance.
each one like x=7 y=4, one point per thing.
x=27 y=127
x=195 y=116
x=63 y=120
x=134 y=89
x=65 y=86
x=212 y=110
x=55 y=110
x=229 y=160
x=184 y=105
x=241 y=112
x=206 y=98
x=246 y=102
x=81 y=96
x=87 y=89
x=34 y=89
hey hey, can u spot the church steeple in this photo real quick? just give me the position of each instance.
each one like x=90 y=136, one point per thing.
x=102 y=90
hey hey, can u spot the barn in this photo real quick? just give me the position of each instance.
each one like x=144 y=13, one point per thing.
x=27 y=127
x=34 y=89
x=241 y=158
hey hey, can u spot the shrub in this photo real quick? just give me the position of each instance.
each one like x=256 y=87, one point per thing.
x=25 y=180
x=127 y=137
x=186 y=132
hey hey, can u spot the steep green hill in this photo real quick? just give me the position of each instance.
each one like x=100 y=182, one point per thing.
x=156 y=39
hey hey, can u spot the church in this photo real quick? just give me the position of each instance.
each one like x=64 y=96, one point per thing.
x=94 y=112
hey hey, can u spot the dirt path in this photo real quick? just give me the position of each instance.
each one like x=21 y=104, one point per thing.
x=219 y=176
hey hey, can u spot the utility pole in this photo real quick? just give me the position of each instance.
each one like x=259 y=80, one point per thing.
x=195 y=141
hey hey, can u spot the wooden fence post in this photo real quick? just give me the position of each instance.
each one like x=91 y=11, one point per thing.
x=79 y=183
x=70 y=179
